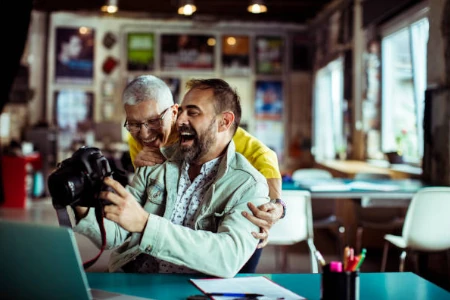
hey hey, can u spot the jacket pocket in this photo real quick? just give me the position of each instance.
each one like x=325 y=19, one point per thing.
x=156 y=196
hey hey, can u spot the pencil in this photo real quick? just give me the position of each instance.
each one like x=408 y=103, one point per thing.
x=346 y=256
x=320 y=258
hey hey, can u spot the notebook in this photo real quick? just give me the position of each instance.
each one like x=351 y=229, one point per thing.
x=43 y=262
x=253 y=287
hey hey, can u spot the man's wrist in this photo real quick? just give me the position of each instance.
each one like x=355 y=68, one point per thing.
x=282 y=203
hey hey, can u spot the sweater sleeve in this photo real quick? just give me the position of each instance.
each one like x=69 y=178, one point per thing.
x=135 y=148
x=263 y=158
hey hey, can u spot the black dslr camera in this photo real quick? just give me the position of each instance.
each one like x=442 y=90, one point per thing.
x=79 y=179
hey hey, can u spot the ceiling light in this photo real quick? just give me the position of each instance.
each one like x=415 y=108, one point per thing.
x=257 y=7
x=110 y=7
x=187 y=7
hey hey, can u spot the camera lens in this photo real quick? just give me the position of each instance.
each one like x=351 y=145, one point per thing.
x=65 y=189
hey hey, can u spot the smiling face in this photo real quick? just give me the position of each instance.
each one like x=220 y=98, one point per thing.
x=197 y=125
x=144 y=111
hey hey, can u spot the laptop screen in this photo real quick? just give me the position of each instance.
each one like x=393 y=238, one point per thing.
x=40 y=262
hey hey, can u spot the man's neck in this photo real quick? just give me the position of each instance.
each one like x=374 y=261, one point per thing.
x=194 y=170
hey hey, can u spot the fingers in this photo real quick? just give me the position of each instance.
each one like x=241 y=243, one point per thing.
x=265 y=217
x=112 y=197
x=263 y=236
x=255 y=219
x=269 y=206
x=149 y=157
x=116 y=186
x=263 y=244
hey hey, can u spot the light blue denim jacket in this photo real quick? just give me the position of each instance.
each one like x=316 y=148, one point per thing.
x=221 y=242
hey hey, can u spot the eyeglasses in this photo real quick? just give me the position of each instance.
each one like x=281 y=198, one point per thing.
x=155 y=123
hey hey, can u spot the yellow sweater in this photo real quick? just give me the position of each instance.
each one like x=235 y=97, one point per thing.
x=259 y=155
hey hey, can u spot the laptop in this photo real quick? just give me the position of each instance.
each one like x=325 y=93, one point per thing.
x=40 y=261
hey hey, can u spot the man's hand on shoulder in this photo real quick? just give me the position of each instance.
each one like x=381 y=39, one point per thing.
x=264 y=216
x=148 y=157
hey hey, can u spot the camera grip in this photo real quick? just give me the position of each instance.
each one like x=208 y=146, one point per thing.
x=107 y=189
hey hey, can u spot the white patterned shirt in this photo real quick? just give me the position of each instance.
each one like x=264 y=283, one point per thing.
x=189 y=196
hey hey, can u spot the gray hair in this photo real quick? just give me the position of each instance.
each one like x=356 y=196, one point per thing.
x=147 y=87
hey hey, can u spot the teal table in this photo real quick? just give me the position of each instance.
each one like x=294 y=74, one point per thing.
x=377 y=286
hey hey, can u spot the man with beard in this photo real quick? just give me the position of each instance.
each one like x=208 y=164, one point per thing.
x=148 y=96
x=185 y=215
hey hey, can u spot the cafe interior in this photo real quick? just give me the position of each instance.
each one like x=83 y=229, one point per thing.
x=352 y=95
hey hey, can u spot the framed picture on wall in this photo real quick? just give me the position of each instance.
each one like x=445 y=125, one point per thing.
x=187 y=52
x=74 y=55
x=73 y=110
x=269 y=100
x=269 y=55
x=140 y=51
x=236 y=55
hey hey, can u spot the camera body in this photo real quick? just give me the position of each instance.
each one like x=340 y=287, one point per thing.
x=79 y=179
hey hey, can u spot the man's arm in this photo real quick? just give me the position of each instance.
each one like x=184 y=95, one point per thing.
x=266 y=162
x=117 y=230
x=143 y=156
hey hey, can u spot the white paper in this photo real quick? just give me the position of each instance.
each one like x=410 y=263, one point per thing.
x=253 y=284
x=330 y=188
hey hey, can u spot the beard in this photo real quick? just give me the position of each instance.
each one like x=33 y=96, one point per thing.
x=202 y=142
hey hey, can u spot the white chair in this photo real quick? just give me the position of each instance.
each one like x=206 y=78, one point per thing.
x=323 y=210
x=426 y=227
x=370 y=214
x=295 y=227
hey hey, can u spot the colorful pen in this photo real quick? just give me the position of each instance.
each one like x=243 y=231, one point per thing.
x=362 y=256
x=353 y=263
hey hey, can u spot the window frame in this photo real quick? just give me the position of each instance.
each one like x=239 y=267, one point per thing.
x=403 y=21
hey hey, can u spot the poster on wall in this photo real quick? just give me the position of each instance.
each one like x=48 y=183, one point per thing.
x=236 y=55
x=269 y=55
x=140 y=51
x=187 y=52
x=269 y=100
x=74 y=55
x=73 y=110
x=271 y=133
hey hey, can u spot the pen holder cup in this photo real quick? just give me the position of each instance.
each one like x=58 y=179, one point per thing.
x=340 y=285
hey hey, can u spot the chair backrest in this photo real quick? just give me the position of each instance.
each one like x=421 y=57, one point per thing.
x=297 y=225
x=427 y=221
x=370 y=176
x=322 y=209
x=311 y=174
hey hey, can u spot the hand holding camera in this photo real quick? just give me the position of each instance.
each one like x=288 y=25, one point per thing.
x=78 y=180
x=124 y=209
x=86 y=180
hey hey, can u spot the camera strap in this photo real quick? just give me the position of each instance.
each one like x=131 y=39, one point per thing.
x=66 y=217
x=99 y=217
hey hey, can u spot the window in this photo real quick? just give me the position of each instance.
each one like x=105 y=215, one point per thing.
x=328 y=111
x=404 y=68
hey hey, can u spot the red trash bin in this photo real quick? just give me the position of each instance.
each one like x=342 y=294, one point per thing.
x=14 y=173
